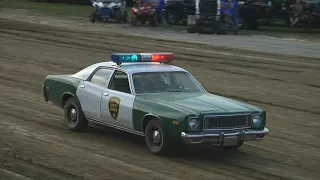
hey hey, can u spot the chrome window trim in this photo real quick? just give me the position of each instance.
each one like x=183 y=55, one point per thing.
x=192 y=77
x=94 y=72
x=113 y=68
x=128 y=76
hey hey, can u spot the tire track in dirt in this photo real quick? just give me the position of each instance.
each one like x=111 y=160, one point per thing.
x=39 y=134
x=13 y=176
x=186 y=54
x=121 y=31
x=102 y=41
x=169 y=47
x=183 y=56
x=192 y=163
x=252 y=100
x=197 y=52
x=42 y=29
x=42 y=137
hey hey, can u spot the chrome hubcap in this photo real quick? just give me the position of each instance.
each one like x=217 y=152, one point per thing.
x=73 y=114
x=156 y=137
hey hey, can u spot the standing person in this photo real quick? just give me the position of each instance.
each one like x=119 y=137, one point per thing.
x=233 y=7
x=159 y=8
x=297 y=12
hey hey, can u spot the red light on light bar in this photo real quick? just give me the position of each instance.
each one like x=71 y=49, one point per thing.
x=162 y=57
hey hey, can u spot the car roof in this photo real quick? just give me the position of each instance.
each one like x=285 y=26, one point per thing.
x=130 y=68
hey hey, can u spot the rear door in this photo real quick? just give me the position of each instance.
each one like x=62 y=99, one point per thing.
x=89 y=92
x=117 y=101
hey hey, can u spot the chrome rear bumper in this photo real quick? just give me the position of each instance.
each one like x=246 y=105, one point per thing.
x=220 y=137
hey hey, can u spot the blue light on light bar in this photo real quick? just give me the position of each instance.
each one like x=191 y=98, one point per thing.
x=125 y=57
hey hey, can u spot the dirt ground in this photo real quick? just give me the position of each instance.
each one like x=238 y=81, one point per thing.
x=35 y=144
x=289 y=44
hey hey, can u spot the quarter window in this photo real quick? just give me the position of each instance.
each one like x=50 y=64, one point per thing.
x=120 y=82
x=101 y=76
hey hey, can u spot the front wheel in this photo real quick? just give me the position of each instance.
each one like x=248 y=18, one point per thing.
x=156 y=138
x=74 y=116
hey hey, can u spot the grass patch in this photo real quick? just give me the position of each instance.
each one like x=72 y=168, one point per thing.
x=61 y=9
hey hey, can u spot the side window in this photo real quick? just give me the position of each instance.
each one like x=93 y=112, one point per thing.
x=120 y=82
x=101 y=76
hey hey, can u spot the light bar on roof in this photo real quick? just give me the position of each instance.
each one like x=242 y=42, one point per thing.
x=142 y=57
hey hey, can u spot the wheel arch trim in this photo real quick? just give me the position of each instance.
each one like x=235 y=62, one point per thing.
x=147 y=117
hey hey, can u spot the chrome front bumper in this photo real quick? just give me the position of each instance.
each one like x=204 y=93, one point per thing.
x=224 y=138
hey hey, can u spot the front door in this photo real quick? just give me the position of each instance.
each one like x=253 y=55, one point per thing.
x=117 y=101
x=89 y=93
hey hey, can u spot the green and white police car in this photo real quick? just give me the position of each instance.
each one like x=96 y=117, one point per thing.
x=144 y=94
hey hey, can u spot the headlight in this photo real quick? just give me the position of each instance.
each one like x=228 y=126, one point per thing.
x=256 y=120
x=193 y=123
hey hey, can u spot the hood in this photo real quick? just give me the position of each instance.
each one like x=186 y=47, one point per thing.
x=199 y=103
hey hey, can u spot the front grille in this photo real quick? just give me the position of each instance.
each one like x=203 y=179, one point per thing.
x=226 y=122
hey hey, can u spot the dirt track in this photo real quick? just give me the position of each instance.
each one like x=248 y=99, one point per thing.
x=289 y=44
x=34 y=142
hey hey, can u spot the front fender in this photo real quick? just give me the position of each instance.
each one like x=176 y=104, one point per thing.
x=143 y=108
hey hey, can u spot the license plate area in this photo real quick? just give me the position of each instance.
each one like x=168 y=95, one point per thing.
x=230 y=141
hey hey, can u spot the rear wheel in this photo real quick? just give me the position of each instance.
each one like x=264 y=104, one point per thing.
x=156 y=138
x=118 y=16
x=93 y=17
x=125 y=16
x=191 y=24
x=154 y=21
x=133 y=20
x=191 y=29
x=74 y=117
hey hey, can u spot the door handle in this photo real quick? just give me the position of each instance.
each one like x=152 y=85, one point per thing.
x=106 y=94
x=82 y=86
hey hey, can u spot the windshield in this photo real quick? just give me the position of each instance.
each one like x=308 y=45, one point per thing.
x=155 y=82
